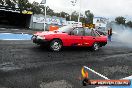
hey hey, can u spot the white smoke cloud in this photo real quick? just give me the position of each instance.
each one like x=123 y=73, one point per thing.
x=122 y=34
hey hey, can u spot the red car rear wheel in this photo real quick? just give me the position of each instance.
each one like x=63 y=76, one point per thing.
x=95 y=46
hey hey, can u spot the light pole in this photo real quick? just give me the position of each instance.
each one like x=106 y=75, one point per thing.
x=43 y=2
x=79 y=11
x=73 y=3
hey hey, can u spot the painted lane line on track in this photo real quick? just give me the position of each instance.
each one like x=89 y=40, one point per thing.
x=3 y=31
x=14 y=36
x=103 y=87
x=118 y=55
x=130 y=77
x=96 y=73
x=24 y=33
x=6 y=33
x=14 y=39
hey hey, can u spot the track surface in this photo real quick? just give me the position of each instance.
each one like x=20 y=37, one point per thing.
x=26 y=65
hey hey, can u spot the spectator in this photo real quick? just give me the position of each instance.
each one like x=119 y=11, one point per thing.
x=109 y=34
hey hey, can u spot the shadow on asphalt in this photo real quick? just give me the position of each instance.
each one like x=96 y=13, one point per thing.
x=65 y=49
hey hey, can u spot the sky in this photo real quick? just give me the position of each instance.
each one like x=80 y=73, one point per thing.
x=101 y=8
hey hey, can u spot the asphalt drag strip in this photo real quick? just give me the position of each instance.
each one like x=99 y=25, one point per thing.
x=26 y=65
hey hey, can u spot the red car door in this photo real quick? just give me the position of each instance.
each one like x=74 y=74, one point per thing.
x=88 y=38
x=97 y=36
x=76 y=37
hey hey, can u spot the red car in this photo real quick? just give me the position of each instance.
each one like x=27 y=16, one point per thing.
x=69 y=36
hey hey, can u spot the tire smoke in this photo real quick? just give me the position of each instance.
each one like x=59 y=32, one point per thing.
x=122 y=34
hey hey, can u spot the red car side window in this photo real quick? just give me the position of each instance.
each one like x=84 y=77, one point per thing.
x=92 y=33
x=78 y=32
x=87 y=32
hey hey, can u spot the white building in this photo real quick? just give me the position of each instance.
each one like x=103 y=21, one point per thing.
x=100 y=22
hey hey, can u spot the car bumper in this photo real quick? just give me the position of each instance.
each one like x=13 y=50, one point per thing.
x=39 y=41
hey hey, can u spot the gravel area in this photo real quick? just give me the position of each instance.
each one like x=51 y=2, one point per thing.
x=56 y=84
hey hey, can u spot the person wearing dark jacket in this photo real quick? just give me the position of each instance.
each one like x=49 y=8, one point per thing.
x=109 y=34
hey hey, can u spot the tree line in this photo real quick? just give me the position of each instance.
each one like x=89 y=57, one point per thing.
x=122 y=20
x=37 y=8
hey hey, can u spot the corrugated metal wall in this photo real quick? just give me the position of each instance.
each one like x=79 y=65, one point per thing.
x=40 y=26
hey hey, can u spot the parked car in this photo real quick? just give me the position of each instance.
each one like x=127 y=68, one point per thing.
x=70 y=36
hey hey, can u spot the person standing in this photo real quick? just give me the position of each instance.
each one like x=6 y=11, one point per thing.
x=109 y=34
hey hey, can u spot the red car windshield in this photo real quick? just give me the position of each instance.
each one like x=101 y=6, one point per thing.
x=65 y=29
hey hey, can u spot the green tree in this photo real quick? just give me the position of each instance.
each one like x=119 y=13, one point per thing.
x=49 y=11
x=57 y=14
x=74 y=16
x=63 y=14
x=120 y=20
x=1 y=2
x=23 y=5
x=129 y=23
x=82 y=19
x=68 y=17
x=40 y=9
x=9 y=3
x=36 y=8
x=89 y=17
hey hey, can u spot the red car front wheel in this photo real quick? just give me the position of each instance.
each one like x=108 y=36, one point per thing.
x=56 y=45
